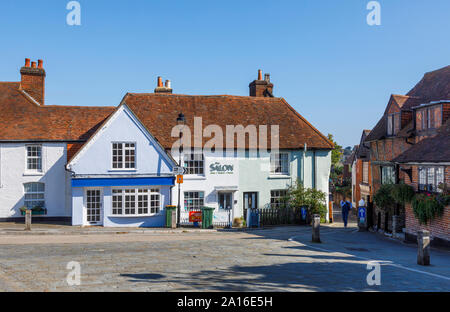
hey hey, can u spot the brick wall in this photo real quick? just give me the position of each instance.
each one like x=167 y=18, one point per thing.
x=439 y=227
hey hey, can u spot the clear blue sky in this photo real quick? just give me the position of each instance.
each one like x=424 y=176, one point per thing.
x=337 y=71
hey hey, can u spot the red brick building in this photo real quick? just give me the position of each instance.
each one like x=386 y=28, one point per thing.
x=407 y=120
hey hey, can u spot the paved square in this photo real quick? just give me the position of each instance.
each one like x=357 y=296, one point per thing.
x=278 y=259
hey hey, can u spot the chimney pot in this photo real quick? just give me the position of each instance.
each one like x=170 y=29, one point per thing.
x=40 y=64
x=267 y=77
x=260 y=74
x=33 y=64
x=27 y=62
x=168 y=84
x=160 y=83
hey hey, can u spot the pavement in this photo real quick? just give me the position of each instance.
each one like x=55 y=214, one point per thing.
x=272 y=259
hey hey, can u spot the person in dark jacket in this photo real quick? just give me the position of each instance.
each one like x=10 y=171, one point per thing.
x=346 y=207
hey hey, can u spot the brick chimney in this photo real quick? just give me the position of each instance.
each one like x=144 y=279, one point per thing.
x=33 y=80
x=160 y=88
x=260 y=87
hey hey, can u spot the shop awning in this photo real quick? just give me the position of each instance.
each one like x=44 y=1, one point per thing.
x=100 y=182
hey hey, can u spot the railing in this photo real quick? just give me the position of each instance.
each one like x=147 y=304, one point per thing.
x=280 y=216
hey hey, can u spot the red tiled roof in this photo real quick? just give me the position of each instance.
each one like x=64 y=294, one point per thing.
x=434 y=86
x=433 y=150
x=158 y=112
x=23 y=120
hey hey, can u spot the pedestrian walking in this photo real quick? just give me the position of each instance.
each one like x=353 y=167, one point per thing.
x=346 y=207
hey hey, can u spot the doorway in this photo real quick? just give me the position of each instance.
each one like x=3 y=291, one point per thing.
x=93 y=207
x=250 y=202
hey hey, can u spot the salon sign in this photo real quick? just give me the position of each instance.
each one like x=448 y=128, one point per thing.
x=219 y=168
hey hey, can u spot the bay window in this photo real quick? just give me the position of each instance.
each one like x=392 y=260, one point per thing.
x=136 y=202
x=34 y=195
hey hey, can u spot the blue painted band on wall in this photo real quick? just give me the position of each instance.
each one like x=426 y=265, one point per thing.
x=99 y=182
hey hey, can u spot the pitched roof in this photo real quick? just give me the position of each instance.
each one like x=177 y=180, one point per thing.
x=158 y=113
x=24 y=120
x=363 y=151
x=434 y=86
x=433 y=150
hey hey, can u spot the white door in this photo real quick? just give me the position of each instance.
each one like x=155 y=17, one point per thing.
x=94 y=207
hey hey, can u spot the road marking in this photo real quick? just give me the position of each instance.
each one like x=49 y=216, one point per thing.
x=292 y=239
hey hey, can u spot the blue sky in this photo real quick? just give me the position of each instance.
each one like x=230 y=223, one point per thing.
x=323 y=58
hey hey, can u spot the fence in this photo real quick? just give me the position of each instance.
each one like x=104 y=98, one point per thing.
x=220 y=219
x=280 y=216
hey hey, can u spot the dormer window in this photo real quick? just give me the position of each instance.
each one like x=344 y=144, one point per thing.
x=429 y=118
x=393 y=124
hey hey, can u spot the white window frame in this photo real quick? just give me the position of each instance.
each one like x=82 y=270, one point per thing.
x=365 y=174
x=39 y=158
x=34 y=193
x=148 y=191
x=124 y=149
x=274 y=166
x=200 y=204
x=425 y=175
x=275 y=200
x=383 y=175
x=194 y=170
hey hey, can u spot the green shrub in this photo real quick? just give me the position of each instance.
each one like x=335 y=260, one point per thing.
x=402 y=193
x=427 y=207
x=315 y=200
x=383 y=197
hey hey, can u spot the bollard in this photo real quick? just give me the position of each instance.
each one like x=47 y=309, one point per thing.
x=316 y=229
x=395 y=225
x=423 y=244
x=28 y=220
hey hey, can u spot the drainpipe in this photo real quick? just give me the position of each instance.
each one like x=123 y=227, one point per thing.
x=314 y=170
x=303 y=164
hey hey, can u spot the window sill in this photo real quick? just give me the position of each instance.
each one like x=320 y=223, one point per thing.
x=122 y=170
x=33 y=174
x=279 y=176
x=135 y=216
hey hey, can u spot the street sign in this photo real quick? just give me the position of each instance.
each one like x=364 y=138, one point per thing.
x=179 y=179
x=362 y=214
x=179 y=170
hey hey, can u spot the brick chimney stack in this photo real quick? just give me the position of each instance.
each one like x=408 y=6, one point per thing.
x=260 y=87
x=160 y=88
x=33 y=80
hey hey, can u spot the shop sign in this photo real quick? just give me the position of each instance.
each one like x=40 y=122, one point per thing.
x=218 y=168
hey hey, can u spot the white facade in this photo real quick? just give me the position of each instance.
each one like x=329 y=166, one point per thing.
x=251 y=175
x=14 y=175
x=93 y=173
